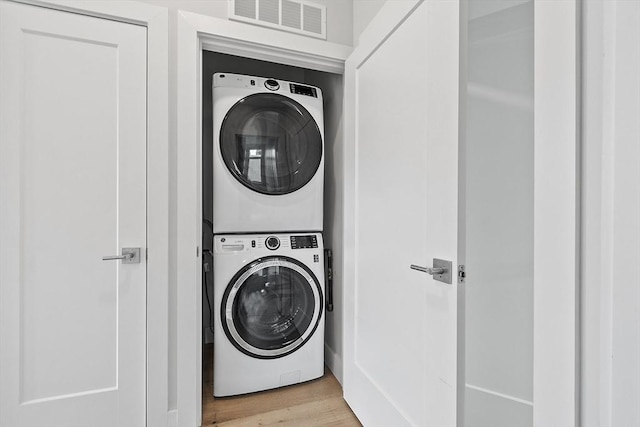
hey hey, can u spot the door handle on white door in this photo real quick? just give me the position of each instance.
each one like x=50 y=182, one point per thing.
x=129 y=256
x=441 y=270
x=428 y=270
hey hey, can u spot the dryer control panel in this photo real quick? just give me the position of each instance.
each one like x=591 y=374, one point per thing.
x=303 y=90
x=259 y=84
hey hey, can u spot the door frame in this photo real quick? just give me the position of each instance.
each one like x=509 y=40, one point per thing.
x=197 y=33
x=556 y=200
x=155 y=19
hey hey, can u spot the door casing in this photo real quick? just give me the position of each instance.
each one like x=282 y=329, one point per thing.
x=195 y=34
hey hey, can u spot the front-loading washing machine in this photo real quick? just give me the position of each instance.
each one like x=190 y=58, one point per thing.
x=269 y=324
x=268 y=155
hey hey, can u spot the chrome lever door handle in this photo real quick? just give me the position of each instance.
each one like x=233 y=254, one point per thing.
x=428 y=270
x=129 y=256
x=441 y=270
x=110 y=257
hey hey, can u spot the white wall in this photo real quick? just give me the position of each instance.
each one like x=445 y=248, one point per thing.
x=339 y=30
x=333 y=91
x=363 y=13
x=611 y=215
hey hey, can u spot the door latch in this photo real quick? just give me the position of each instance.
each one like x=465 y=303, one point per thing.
x=461 y=274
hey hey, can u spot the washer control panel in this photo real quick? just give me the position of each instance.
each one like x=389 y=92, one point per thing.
x=266 y=242
x=304 y=242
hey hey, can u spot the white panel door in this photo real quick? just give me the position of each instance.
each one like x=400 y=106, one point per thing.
x=401 y=331
x=401 y=209
x=73 y=189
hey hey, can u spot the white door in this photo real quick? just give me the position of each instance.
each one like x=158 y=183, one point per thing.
x=402 y=114
x=73 y=189
x=403 y=331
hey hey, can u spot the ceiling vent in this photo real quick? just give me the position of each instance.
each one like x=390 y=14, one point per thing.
x=296 y=16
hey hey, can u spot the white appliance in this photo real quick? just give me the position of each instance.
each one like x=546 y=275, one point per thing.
x=268 y=155
x=268 y=305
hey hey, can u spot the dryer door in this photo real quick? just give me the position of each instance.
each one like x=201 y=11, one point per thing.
x=271 y=307
x=270 y=143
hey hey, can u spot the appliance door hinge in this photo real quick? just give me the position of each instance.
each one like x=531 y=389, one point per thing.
x=461 y=274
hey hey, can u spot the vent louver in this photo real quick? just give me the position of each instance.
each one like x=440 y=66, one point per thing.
x=297 y=16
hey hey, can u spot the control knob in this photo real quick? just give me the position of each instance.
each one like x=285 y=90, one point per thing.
x=272 y=84
x=272 y=243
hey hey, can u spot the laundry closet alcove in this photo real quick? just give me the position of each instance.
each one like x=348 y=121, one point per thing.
x=207 y=45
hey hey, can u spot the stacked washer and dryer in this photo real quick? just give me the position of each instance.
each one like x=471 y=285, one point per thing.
x=268 y=174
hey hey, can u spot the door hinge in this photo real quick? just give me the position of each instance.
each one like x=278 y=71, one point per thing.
x=461 y=274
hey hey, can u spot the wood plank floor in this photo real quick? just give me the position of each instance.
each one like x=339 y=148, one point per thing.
x=314 y=403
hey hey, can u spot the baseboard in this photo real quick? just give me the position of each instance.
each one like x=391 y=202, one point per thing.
x=333 y=362
x=172 y=418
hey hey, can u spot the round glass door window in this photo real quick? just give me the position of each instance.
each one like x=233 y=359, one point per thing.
x=270 y=143
x=271 y=307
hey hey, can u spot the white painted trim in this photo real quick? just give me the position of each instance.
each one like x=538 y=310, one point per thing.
x=131 y=12
x=189 y=282
x=606 y=187
x=239 y=39
x=156 y=20
x=195 y=33
x=595 y=293
x=610 y=382
x=556 y=223
x=157 y=216
x=625 y=231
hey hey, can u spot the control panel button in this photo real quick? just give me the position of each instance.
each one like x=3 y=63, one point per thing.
x=272 y=243
x=272 y=84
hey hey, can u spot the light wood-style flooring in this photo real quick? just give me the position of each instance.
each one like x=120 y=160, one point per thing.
x=314 y=403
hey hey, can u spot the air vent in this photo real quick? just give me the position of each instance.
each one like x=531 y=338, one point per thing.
x=296 y=16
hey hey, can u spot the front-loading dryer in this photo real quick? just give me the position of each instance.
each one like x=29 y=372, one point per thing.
x=268 y=155
x=269 y=302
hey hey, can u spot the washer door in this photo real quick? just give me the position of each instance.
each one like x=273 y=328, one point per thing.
x=270 y=144
x=271 y=307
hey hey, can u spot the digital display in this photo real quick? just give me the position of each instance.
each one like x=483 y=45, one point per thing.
x=303 y=90
x=304 y=242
